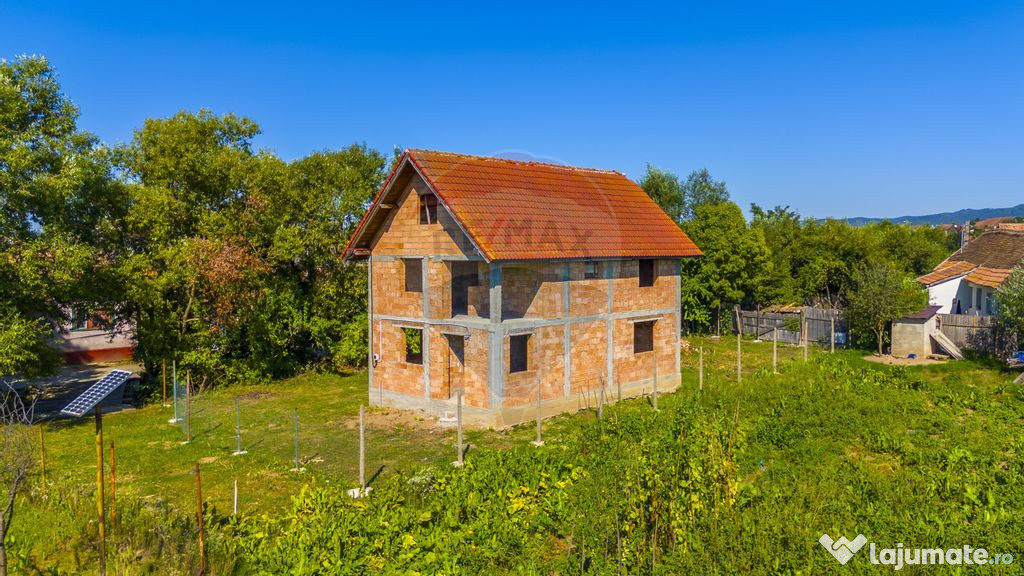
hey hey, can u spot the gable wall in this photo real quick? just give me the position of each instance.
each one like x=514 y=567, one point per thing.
x=403 y=234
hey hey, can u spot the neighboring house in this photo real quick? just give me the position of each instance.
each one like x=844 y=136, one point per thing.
x=92 y=336
x=965 y=282
x=502 y=278
x=990 y=223
x=1010 y=226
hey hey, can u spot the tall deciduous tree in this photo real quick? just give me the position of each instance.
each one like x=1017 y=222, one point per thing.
x=736 y=262
x=666 y=190
x=1010 y=303
x=57 y=199
x=882 y=293
x=680 y=199
x=235 y=265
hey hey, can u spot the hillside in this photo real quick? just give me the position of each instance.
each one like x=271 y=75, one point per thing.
x=957 y=217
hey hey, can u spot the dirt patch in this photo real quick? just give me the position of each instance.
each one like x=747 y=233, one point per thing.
x=208 y=460
x=897 y=361
x=389 y=419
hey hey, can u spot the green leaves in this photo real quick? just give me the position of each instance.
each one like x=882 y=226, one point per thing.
x=1010 y=302
x=240 y=253
x=735 y=262
x=882 y=294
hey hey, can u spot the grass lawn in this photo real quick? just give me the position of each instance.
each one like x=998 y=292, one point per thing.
x=827 y=449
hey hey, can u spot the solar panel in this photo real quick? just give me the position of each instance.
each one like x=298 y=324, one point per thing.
x=96 y=393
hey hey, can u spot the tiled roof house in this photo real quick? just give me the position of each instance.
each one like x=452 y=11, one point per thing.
x=965 y=282
x=507 y=281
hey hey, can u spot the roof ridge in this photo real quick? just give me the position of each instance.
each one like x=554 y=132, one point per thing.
x=566 y=167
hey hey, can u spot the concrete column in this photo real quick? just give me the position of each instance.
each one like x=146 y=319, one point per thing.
x=425 y=280
x=609 y=273
x=369 y=321
x=494 y=274
x=566 y=337
x=678 y=315
x=425 y=348
x=496 y=338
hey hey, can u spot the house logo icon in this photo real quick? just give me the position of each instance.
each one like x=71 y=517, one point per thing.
x=842 y=549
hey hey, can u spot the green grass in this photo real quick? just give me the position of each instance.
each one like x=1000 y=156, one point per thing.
x=923 y=455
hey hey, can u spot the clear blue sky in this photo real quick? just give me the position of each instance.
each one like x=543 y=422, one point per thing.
x=834 y=108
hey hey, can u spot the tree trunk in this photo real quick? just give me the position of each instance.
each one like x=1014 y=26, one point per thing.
x=878 y=336
x=3 y=559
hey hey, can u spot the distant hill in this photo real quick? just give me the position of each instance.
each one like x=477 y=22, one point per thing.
x=958 y=217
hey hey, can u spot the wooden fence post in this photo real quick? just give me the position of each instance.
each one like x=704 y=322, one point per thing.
x=739 y=359
x=803 y=331
x=775 y=350
x=113 y=488
x=832 y=330
x=99 y=491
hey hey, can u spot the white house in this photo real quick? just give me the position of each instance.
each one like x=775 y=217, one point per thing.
x=965 y=283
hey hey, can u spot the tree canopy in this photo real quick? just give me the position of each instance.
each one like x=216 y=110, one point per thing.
x=221 y=256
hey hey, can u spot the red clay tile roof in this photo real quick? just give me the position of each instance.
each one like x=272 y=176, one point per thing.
x=992 y=222
x=991 y=277
x=987 y=260
x=945 y=271
x=515 y=210
x=1010 y=226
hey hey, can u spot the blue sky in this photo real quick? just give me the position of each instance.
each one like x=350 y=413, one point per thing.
x=834 y=108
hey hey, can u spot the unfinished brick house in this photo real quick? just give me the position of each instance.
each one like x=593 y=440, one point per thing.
x=504 y=279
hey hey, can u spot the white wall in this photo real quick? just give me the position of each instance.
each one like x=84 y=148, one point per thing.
x=946 y=294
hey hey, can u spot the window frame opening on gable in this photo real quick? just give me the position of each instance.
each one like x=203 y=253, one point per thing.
x=413 y=269
x=413 y=345
x=648 y=272
x=591 y=270
x=643 y=336
x=518 y=353
x=428 y=209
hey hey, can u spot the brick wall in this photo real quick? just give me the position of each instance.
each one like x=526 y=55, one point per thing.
x=447 y=374
x=630 y=367
x=532 y=290
x=589 y=346
x=389 y=295
x=441 y=273
x=393 y=372
x=630 y=296
x=403 y=234
x=587 y=297
x=545 y=365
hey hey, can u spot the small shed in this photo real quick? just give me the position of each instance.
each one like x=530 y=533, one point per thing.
x=912 y=334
